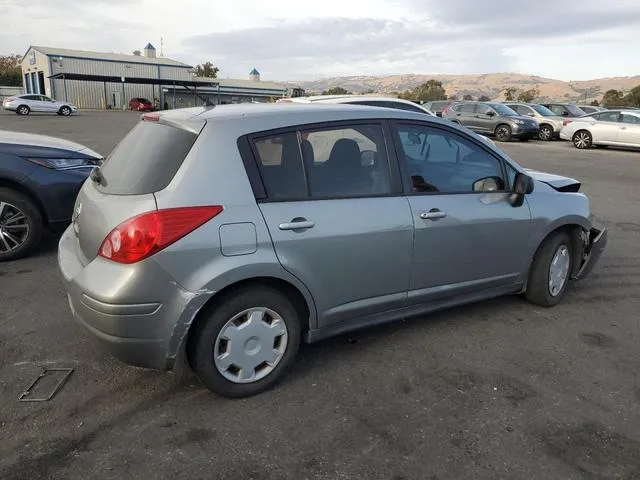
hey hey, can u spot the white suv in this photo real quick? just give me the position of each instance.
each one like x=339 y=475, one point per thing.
x=371 y=100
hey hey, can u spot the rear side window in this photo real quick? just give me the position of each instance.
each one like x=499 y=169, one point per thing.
x=146 y=160
x=466 y=108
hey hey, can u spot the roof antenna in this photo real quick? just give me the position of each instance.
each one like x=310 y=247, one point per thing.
x=161 y=46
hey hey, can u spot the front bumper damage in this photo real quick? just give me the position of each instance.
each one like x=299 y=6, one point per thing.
x=593 y=244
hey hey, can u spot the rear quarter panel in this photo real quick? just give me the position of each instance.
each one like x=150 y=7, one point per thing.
x=213 y=174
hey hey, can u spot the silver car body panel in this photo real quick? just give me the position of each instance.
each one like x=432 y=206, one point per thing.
x=365 y=261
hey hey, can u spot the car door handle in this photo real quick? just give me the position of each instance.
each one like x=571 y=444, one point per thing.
x=299 y=225
x=623 y=128
x=433 y=215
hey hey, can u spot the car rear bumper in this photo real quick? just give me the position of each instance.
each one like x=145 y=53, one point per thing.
x=137 y=313
x=595 y=245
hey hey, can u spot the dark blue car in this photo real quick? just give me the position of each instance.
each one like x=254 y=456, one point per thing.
x=40 y=177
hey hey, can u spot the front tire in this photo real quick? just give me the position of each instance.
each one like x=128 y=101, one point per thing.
x=582 y=139
x=545 y=133
x=246 y=343
x=65 y=111
x=503 y=133
x=21 y=225
x=550 y=272
x=23 y=110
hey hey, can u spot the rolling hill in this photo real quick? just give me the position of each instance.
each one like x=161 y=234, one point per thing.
x=490 y=84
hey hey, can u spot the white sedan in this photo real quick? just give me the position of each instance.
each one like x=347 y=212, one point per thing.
x=25 y=104
x=610 y=128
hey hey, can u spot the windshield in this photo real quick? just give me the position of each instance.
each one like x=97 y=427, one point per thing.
x=503 y=109
x=544 y=111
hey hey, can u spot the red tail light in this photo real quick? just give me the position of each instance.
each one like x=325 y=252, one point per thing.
x=146 y=234
x=566 y=122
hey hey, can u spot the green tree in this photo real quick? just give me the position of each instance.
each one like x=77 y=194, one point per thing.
x=427 y=92
x=336 y=91
x=483 y=98
x=467 y=97
x=207 y=70
x=633 y=97
x=613 y=97
x=595 y=103
x=528 y=96
x=10 y=71
x=510 y=93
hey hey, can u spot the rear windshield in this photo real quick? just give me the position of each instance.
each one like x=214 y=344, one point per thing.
x=146 y=160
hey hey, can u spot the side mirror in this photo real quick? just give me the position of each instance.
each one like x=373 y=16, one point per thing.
x=531 y=114
x=491 y=113
x=522 y=185
x=488 y=184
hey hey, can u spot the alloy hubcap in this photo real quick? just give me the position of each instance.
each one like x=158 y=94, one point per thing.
x=545 y=133
x=503 y=133
x=14 y=228
x=250 y=345
x=559 y=270
x=582 y=140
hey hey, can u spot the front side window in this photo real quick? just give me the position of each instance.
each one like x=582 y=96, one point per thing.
x=438 y=161
x=484 y=109
x=626 y=118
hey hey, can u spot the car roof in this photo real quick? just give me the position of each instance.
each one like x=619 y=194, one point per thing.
x=265 y=116
x=348 y=99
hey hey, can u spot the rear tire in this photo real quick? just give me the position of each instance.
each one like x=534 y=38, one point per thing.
x=582 y=139
x=545 y=133
x=550 y=272
x=14 y=242
x=503 y=133
x=23 y=110
x=218 y=339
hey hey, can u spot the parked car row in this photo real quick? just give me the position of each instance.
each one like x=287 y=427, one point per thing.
x=25 y=104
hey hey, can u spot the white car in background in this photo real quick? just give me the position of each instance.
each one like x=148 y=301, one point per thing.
x=611 y=128
x=372 y=101
x=31 y=102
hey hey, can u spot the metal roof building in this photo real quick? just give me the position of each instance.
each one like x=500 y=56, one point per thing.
x=99 y=80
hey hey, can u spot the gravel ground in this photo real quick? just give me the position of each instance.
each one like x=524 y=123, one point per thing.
x=500 y=389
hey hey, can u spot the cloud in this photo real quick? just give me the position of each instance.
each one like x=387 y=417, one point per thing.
x=323 y=46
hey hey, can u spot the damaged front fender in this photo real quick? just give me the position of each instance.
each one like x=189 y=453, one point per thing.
x=592 y=244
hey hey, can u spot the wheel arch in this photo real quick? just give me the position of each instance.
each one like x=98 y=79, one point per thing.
x=20 y=188
x=302 y=302
x=575 y=228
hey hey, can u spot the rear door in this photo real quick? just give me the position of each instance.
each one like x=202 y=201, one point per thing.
x=466 y=115
x=466 y=239
x=605 y=127
x=143 y=163
x=337 y=217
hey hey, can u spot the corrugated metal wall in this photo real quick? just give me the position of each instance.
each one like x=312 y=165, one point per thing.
x=91 y=95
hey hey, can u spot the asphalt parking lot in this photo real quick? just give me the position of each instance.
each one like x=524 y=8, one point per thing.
x=497 y=390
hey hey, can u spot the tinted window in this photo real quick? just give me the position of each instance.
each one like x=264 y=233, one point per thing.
x=484 y=109
x=281 y=166
x=575 y=111
x=346 y=162
x=522 y=109
x=445 y=162
x=466 y=108
x=542 y=110
x=606 y=116
x=31 y=97
x=502 y=109
x=557 y=109
x=146 y=159
x=626 y=118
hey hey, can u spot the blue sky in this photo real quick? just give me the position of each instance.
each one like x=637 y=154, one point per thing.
x=569 y=40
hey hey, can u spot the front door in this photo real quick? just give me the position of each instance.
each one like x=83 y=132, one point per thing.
x=629 y=130
x=467 y=235
x=338 y=224
x=485 y=118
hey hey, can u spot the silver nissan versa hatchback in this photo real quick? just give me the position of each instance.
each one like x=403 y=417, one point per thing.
x=227 y=236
